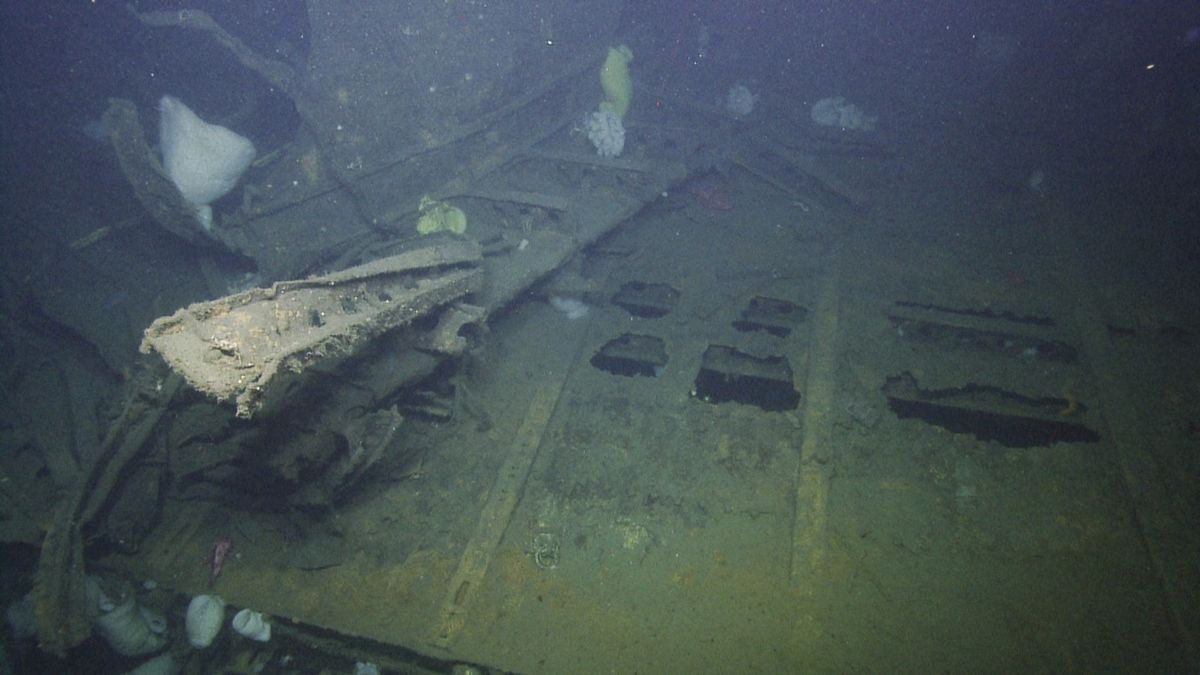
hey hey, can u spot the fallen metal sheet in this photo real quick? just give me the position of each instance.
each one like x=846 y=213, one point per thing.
x=249 y=348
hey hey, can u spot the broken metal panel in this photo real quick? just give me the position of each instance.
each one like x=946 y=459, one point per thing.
x=363 y=159
x=991 y=413
x=990 y=406
x=949 y=336
x=631 y=355
x=447 y=338
x=442 y=45
x=646 y=301
x=248 y=348
x=777 y=317
x=727 y=374
x=146 y=175
x=985 y=398
x=985 y=314
x=366 y=439
x=961 y=329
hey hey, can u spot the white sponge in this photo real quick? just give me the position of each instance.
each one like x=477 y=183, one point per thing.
x=204 y=160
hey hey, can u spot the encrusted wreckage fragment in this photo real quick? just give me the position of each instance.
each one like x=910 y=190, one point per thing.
x=251 y=347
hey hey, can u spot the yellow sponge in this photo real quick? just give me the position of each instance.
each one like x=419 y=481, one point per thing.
x=614 y=78
x=440 y=217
